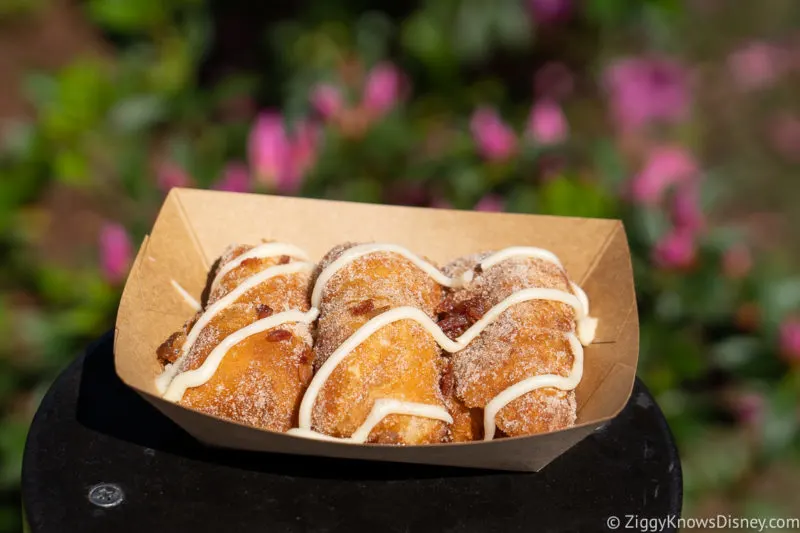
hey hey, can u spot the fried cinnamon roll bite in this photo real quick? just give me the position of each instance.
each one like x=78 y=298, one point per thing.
x=378 y=370
x=521 y=370
x=247 y=356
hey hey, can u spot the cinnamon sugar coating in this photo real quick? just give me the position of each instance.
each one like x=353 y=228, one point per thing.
x=527 y=340
x=400 y=361
x=261 y=380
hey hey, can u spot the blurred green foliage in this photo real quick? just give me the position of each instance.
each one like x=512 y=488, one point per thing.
x=102 y=128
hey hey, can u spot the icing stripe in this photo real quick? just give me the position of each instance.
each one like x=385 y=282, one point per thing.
x=520 y=251
x=464 y=278
x=355 y=252
x=417 y=315
x=163 y=381
x=262 y=251
x=188 y=298
x=380 y=410
x=532 y=383
x=200 y=375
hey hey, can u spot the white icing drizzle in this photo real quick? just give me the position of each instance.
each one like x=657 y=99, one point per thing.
x=462 y=279
x=381 y=409
x=188 y=298
x=200 y=375
x=519 y=251
x=532 y=383
x=163 y=381
x=174 y=387
x=355 y=252
x=262 y=251
x=417 y=315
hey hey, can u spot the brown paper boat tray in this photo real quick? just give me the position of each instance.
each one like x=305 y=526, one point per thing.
x=194 y=227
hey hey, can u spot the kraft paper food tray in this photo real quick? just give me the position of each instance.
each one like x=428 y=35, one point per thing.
x=194 y=227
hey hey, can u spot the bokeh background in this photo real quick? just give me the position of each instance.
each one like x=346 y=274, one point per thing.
x=680 y=117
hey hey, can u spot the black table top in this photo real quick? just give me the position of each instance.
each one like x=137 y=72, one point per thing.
x=91 y=429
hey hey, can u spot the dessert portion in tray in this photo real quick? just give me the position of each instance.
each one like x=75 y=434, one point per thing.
x=377 y=344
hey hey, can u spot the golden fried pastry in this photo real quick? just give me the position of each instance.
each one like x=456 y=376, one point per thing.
x=247 y=356
x=378 y=372
x=523 y=366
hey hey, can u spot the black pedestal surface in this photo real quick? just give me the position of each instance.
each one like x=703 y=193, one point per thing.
x=90 y=429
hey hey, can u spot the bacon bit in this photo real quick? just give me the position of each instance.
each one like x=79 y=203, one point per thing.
x=375 y=312
x=304 y=372
x=454 y=324
x=445 y=306
x=278 y=335
x=284 y=259
x=307 y=356
x=263 y=311
x=474 y=309
x=250 y=261
x=478 y=269
x=447 y=381
x=459 y=317
x=170 y=350
x=363 y=308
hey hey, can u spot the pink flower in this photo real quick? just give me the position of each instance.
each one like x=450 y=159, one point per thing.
x=169 y=175
x=269 y=149
x=278 y=160
x=327 y=100
x=496 y=141
x=686 y=211
x=737 y=261
x=676 y=250
x=547 y=124
x=116 y=252
x=749 y=408
x=790 y=339
x=550 y=10
x=643 y=90
x=490 y=203
x=554 y=80
x=382 y=89
x=756 y=66
x=235 y=178
x=666 y=166
x=785 y=136
x=302 y=156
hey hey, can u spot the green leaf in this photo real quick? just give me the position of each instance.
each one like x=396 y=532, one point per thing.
x=736 y=352
x=512 y=24
x=428 y=42
x=608 y=12
x=779 y=297
x=373 y=32
x=71 y=167
x=40 y=88
x=714 y=460
x=362 y=190
x=467 y=183
x=610 y=165
x=564 y=196
x=473 y=30
x=780 y=426
x=12 y=444
x=129 y=17
x=137 y=113
x=523 y=199
x=650 y=225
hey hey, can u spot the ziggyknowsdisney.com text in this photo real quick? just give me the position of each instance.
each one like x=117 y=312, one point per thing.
x=672 y=522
